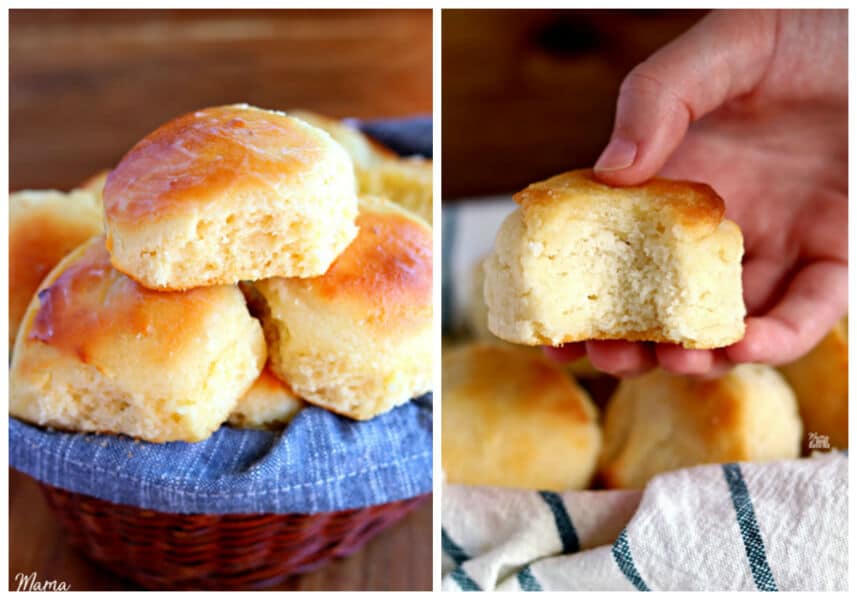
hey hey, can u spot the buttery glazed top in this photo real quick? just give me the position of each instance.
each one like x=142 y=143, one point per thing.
x=691 y=203
x=207 y=152
x=388 y=266
x=88 y=304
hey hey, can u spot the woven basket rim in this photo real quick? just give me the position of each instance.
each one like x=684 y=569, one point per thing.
x=51 y=488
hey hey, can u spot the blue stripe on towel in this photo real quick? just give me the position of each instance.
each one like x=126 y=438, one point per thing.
x=464 y=581
x=528 y=581
x=625 y=562
x=754 y=546
x=567 y=534
x=453 y=550
x=459 y=556
x=449 y=228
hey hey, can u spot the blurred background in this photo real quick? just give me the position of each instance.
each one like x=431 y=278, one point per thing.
x=531 y=93
x=86 y=85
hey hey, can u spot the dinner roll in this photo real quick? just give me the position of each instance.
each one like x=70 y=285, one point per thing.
x=229 y=193
x=581 y=260
x=364 y=151
x=476 y=319
x=820 y=382
x=379 y=170
x=95 y=184
x=268 y=403
x=405 y=181
x=44 y=226
x=98 y=352
x=512 y=418
x=358 y=340
x=659 y=422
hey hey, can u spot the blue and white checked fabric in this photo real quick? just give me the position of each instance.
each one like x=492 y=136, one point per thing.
x=321 y=462
x=781 y=525
x=749 y=526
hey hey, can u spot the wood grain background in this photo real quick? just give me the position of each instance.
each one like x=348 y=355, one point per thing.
x=86 y=85
x=531 y=93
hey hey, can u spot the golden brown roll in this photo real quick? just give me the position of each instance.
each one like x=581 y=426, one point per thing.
x=358 y=340
x=98 y=352
x=44 y=226
x=95 y=184
x=820 y=382
x=660 y=422
x=405 y=181
x=364 y=151
x=379 y=170
x=268 y=403
x=581 y=260
x=512 y=418
x=229 y=193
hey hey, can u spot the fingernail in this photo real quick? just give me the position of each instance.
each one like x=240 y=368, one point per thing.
x=619 y=154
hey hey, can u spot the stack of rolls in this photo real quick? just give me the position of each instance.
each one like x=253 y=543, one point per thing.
x=239 y=274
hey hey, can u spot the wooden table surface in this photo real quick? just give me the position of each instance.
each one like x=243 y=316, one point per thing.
x=86 y=85
x=37 y=543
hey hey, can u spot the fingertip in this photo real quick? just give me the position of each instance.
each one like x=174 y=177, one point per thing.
x=743 y=351
x=618 y=164
x=617 y=156
x=620 y=358
x=682 y=361
x=625 y=177
x=720 y=366
x=565 y=353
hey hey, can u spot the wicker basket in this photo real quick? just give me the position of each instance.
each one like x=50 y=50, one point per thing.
x=226 y=552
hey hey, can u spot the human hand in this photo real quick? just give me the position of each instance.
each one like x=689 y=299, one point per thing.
x=754 y=103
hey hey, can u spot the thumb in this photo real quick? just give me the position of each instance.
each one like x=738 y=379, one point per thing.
x=723 y=56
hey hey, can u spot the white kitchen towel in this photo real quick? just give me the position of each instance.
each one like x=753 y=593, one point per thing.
x=749 y=526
